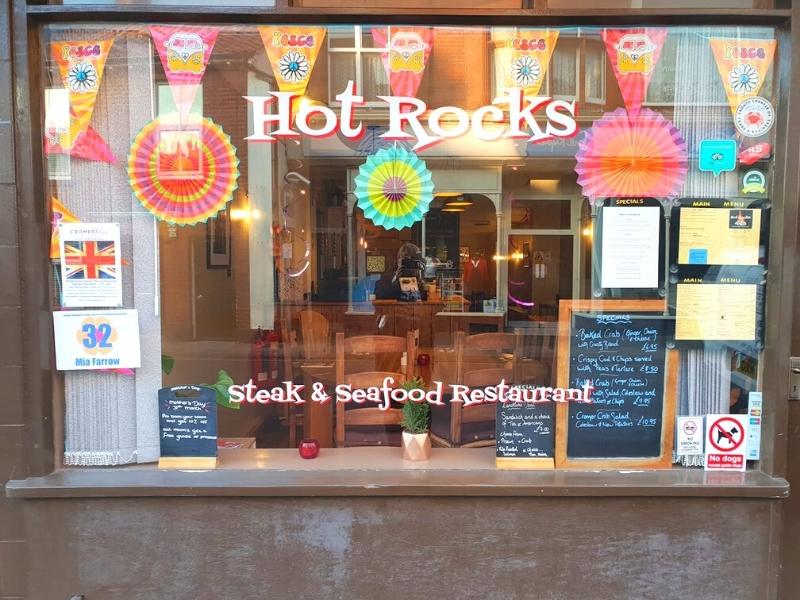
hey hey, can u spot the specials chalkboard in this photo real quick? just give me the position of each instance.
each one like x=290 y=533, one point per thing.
x=624 y=357
x=524 y=430
x=188 y=422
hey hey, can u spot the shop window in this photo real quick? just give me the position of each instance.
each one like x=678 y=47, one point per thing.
x=220 y=243
x=354 y=56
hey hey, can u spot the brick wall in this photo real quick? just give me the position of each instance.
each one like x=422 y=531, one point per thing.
x=12 y=546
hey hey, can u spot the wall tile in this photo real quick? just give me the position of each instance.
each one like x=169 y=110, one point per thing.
x=11 y=396
x=7 y=174
x=9 y=275
x=12 y=576
x=8 y=208
x=11 y=326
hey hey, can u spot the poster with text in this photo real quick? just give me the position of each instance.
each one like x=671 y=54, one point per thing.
x=96 y=339
x=90 y=265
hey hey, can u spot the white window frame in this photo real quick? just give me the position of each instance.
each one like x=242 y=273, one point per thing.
x=591 y=99
x=358 y=50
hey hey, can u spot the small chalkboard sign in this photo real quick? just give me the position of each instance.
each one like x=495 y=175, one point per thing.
x=620 y=347
x=188 y=427
x=524 y=434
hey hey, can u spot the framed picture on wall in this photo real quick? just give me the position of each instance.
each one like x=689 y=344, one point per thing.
x=218 y=241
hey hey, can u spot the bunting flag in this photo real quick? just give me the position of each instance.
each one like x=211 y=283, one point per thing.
x=58 y=214
x=89 y=145
x=405 y=56
x=523 y=56
x=292 y=52
x=633 y=54
x=184 y=53
x=81 y=66
x=743 y=65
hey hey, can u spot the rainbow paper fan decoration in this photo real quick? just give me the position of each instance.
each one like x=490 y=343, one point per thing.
x=183 y=173
x=394 y=188
x=622 y=156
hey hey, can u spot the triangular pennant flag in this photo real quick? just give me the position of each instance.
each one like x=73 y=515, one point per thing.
x=292 y=52
x=81 y=66
x=184 y=53
x=58 y=214
x=743 y=65
x=633 y=54
x=523 y=56
x=406 y=54
x=89 y=145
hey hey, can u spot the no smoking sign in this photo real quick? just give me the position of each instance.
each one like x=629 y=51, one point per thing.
x=725 y=442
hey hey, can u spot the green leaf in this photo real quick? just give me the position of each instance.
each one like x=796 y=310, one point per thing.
x=167 y=363
x=416 y=415
x=224 y=381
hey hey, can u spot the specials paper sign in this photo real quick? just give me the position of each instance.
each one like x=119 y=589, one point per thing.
x=95 y=339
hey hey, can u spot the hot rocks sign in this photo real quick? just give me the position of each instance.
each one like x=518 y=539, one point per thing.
x=513 y=115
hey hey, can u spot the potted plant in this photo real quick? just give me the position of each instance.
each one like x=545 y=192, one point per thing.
x=416 y=429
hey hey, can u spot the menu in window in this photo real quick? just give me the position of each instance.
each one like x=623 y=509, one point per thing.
x=630 y=246
x=716 y=311
x=719 y=236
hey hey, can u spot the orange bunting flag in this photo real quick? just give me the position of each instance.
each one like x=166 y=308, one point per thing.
x=292 y=52
x=523 y=56
x=81 y=66
x=58 y=214
x=743 y=66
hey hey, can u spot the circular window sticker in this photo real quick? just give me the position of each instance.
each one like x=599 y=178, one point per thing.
x=754 y=117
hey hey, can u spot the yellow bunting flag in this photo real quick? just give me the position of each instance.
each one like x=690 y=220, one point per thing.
x=743 y=66
x=58 y=214
x=81 y=66
x=523 y=56
x=292 y=52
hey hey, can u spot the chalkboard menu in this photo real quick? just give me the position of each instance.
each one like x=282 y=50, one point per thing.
x=623 y=355
x=524 y=430
x=188 y=421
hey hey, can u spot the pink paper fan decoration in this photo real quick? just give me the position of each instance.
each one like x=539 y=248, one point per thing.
x=622 y=156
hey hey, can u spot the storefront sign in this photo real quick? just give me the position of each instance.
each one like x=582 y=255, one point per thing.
x=511 y=116
x=187 y=416
x=384 y=395
x=754 y=404
x=689 y=439
x=753 y=154
x=92 y=339
x=754 y=117
x=725 y=443
x=90 y=265
x=754 y=183
x=717 y=156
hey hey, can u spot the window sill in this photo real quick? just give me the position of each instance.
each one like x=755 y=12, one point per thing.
x=382 y=472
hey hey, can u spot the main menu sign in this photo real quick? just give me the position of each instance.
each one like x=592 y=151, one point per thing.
x=514 y=115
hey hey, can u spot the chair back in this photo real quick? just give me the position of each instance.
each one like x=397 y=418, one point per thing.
x=316 y=330
x=486 y=349
x=370 y=345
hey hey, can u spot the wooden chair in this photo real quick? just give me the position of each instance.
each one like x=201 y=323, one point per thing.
x=316 y=331
x=370 y=347
x=476 y=351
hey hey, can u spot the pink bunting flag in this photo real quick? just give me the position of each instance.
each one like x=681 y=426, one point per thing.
x=634 y=54
x=405 y=57
x=184 y=53
x=88 y=145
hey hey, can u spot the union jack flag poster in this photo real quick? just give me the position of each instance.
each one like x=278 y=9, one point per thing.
x=91 y=274
x=90 y=260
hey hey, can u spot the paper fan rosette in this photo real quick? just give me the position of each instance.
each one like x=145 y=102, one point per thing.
x=623 y=156
x=394 y=188
x=183 y=173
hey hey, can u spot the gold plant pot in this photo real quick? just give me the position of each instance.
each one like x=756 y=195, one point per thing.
x=416 y=446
